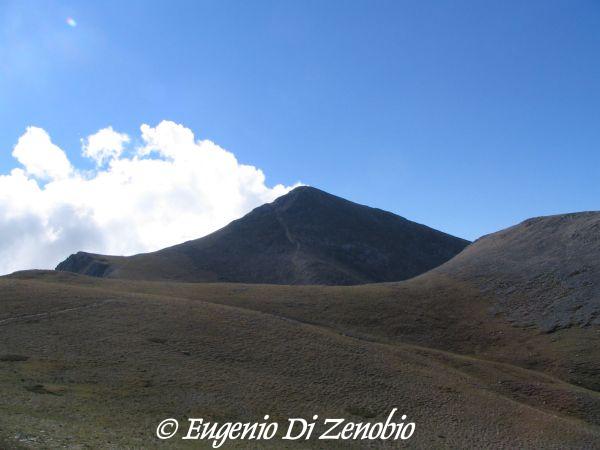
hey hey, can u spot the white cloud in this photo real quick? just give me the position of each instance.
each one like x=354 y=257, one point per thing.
x=171 y=189
x=105 y=145
x=40 y=156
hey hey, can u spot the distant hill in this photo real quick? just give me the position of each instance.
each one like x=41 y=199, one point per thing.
x=544 y=271
x=304 y=237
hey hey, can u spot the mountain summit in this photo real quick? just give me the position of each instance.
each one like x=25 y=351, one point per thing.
x=304 y=237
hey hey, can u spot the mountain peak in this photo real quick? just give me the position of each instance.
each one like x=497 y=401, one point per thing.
x=306 y=236
x=304 y=194
x=305 y=190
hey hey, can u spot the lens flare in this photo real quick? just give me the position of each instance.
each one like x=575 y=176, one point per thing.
x=71 y=22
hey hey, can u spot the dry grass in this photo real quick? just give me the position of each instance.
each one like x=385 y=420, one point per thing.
x=108 y=359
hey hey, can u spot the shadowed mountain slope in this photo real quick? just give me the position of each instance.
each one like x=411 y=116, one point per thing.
x=544 y=271
x=304 y=237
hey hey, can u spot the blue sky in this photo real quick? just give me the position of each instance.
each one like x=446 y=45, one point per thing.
x=468 y=116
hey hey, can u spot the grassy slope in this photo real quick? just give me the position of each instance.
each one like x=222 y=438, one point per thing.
x=115 y=357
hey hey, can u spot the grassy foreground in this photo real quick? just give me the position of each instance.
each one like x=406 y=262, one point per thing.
x=88 y=363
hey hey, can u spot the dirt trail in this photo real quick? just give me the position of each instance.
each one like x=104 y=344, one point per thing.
x=49 y=313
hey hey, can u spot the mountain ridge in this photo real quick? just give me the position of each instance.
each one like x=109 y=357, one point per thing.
x=307 y=236
x=542 y=271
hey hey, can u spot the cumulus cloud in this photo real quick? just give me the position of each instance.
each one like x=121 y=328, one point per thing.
x=104 y=145
x=169 y=189
x=40 y=157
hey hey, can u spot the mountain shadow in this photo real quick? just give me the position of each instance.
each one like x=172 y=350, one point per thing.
x=304 y=237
